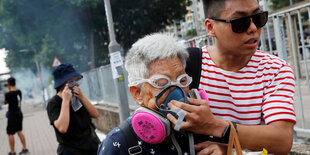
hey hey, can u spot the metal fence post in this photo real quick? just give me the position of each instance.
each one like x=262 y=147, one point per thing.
x=269 y=38
x=278 y=23
x=303 y=50
x=262 y=40
x=296 y=69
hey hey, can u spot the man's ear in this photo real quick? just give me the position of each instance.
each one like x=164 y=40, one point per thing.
x=135 y=92
x=209 y=24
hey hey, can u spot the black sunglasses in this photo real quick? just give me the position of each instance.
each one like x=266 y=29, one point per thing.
x=240 y=25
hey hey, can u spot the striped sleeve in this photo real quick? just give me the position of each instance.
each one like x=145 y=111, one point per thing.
x=278 y=101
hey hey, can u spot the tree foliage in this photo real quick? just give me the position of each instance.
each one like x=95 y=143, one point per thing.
x=43 y=29
x=47 y=52
x=278 y=4
x=191 y=32
x=27 y=24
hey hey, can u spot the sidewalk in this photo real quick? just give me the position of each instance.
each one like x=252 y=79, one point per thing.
x=40 y=135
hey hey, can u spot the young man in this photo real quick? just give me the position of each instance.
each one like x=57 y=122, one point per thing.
x=251 y=88
x=15 y=116
x=70 y=113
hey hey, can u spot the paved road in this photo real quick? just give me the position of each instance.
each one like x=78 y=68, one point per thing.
x=40 y=136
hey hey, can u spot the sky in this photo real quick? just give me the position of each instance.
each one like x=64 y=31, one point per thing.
x=3 y=68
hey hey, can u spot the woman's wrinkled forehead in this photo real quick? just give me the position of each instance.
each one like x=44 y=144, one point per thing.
x=167 y=66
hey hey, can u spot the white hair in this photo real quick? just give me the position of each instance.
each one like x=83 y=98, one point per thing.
x=149 y=48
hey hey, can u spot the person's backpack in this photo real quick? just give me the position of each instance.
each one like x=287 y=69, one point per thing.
x=132 y=142
x=193 y=66
x=193 y=69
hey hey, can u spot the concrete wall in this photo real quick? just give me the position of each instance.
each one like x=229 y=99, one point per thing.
x=108 y=118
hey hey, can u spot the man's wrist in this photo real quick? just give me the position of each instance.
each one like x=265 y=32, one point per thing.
x=82 y=98
x=66 y=101
x=226 y=133
x=220 y=127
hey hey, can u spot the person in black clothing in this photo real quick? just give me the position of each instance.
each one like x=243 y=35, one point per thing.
x=15 y=116
x=70 y=113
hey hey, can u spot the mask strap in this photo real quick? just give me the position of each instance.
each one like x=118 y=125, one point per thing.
x=181 y=113
x=191 y=143
x=176 y=144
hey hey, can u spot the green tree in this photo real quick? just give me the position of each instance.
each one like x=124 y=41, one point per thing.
x=278 y=4
x=191 y=32
x=68 y=28
x=135 y=18
x=47 y=53
x=26 y=24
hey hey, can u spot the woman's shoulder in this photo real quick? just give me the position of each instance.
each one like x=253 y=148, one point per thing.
x=116 y=133
x=114 y=143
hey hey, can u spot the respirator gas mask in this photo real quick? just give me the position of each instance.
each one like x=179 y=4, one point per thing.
x=153 y=126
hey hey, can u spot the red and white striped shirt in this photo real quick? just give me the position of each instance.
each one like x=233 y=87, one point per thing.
x=260 y=93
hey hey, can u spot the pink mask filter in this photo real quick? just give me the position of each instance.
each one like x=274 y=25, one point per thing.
x=150 y=126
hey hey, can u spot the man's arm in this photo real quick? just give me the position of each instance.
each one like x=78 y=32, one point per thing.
x=62 y=123
x=275 y=137
x=89 y=107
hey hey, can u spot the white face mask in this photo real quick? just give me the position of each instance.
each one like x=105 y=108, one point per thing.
x=71 y=84
x=75 y=103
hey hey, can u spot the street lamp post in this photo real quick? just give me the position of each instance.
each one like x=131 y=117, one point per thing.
x=119 y=83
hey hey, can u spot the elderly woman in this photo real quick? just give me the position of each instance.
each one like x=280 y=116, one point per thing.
x=153 y=63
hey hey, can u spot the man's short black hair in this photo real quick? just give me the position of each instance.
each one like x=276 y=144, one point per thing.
x=11 y=81
x=213 y=8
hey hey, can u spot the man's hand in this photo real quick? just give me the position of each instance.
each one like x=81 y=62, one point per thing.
x=211 y=148
x=199 y=118
x=66 y=94
x=77 y=92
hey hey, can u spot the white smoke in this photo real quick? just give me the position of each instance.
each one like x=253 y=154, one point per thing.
x=32 y=85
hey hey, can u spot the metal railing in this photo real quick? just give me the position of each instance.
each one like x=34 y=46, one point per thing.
x=296 y=54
